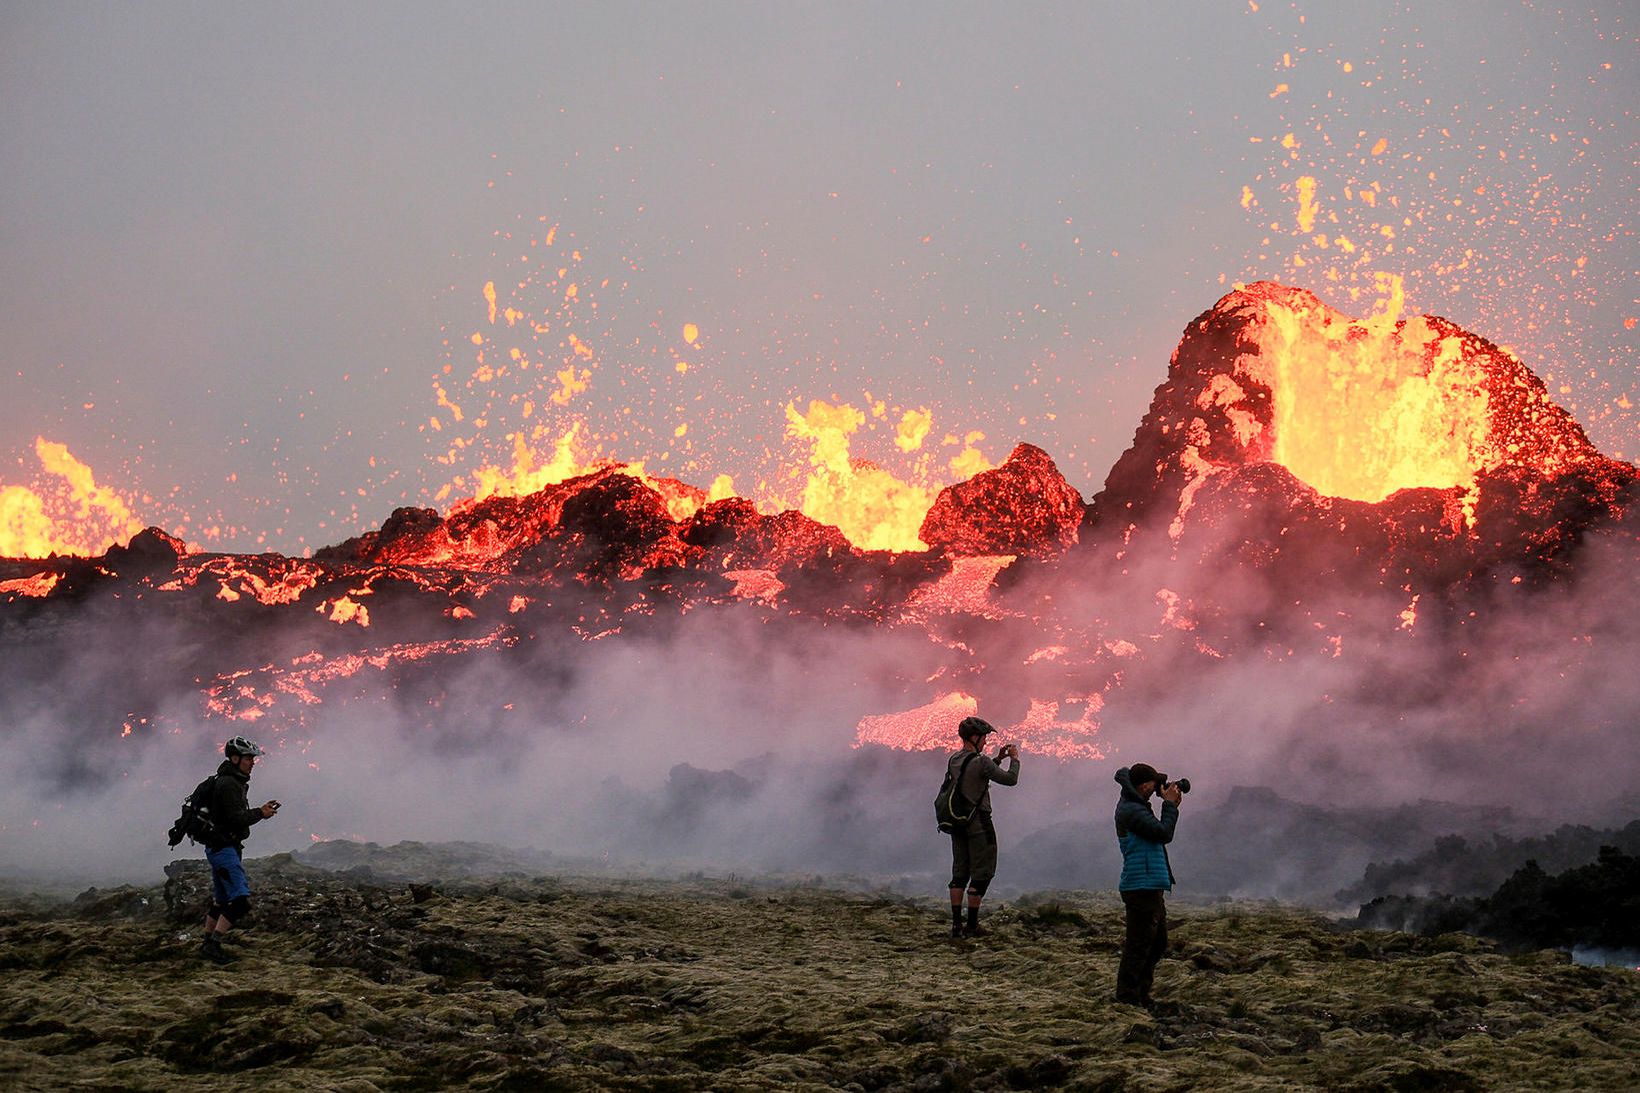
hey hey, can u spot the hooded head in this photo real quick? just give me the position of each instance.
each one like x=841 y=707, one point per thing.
x=1140 y=773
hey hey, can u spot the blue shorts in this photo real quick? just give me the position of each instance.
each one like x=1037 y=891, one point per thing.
x=227 y=875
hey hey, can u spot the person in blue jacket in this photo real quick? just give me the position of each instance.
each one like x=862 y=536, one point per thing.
x=1146 y=877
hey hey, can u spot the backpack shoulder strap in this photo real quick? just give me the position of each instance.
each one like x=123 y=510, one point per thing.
x=956 y=785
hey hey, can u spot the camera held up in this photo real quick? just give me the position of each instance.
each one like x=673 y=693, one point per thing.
x=1162 y=782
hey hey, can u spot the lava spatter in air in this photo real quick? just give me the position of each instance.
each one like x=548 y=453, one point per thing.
x=551 y=387
x=1486 y=194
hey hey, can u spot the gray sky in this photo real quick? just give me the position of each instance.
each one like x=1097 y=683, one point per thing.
x=242 y=242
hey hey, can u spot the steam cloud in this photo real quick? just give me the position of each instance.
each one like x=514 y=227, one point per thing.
x=721 y=741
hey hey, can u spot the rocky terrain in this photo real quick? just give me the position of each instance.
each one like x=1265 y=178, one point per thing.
x=422 y=967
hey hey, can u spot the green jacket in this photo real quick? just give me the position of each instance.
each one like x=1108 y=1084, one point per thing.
x=231 y=809
x=977 y=779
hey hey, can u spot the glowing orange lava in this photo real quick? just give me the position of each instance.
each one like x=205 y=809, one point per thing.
x=251 y=694
x=1362 y=408
x=966 y=589
x=928 y=727
x=40 y=584
x=933 y=727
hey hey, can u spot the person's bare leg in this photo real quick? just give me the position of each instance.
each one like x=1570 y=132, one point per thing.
x=211 y=947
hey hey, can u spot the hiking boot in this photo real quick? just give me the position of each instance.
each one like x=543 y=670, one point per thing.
x=956 y=929
x=975 y=930
x=213 y=951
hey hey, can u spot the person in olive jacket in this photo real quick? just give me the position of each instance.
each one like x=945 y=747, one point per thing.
x=233 y=817
x=1147 y=877
x=974 y=848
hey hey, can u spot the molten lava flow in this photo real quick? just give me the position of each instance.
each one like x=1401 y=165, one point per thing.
x=40 y=584
x=1044 y=731
x=756 y=584
x=284 y=581
x=966 y=589
x=251 y=694
x=926 y=728
x=932 y=727
x=74 y=516
x=345 y=609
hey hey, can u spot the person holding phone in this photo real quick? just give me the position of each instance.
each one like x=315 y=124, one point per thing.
x=974 y=848
x=232 y=817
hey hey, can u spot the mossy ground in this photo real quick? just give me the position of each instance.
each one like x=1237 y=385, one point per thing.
x=351 y=982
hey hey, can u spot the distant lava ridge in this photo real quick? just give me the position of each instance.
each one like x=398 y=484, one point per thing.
x=1353 y=477
x=1452 y=464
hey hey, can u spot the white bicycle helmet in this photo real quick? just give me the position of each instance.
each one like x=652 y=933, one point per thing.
x=239 y=745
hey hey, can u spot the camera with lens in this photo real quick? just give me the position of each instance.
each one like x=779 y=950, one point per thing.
x=1182 y=783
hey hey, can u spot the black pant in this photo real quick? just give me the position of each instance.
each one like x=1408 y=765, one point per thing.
x=1144 y=944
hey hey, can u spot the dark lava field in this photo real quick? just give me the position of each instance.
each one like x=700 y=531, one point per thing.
x=420 y=967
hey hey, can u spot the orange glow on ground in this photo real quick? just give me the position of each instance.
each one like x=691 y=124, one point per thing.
x=964 y=590
x=344 y=610
x=756 y=584
x=38 y=585
x=285 y=582
x=253 y=694
x=933 y=727
x=927 y=728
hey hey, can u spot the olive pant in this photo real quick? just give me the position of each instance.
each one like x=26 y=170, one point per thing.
x=974 y=855
x=1144 y=944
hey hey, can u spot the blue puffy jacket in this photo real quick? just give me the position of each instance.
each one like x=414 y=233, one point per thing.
x=1143 y=839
